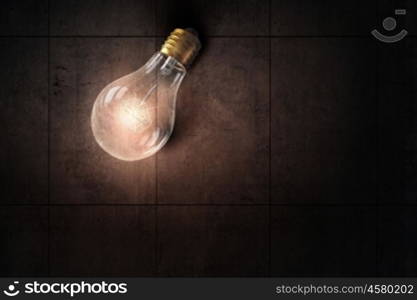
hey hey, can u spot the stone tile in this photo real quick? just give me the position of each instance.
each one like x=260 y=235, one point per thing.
x=397 y=134
x=24 y=235
x=219 y=150
x=397 y=247
x=323 y=241
x=216 y=17
x=102 y=241
x=212 y=241
x=24 y=17
x=24 y=120
x=81 y=172
x=104 y=17
x=323 y=18
x=323 y=121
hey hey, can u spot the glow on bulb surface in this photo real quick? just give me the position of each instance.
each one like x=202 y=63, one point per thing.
x=133 y=117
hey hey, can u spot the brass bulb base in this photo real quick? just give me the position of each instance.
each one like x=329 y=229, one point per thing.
x=183 y=45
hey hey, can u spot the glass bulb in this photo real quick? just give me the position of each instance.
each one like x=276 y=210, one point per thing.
x=133 y=117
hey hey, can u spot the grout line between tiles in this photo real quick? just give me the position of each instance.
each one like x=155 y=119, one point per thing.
x=377 y=149
x=219 y=277
x=156 y=260
x=219 y=204
x=49 y=143
x=208 y=36
x=270 y=142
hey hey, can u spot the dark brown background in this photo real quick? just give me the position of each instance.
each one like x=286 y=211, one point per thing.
x=294 y=152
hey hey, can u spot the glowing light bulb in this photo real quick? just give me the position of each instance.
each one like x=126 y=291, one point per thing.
x=133 y=117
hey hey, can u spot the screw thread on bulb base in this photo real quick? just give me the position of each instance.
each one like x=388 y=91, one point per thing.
x=183 y=45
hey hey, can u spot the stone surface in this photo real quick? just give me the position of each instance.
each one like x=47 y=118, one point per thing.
x=104 y=17
x=24 y=120
x=397 y=125
x=102 y=241
x=310 y=18
x=396 y=246
x=24 y=236
x=323 y=114
x=214 y=18
x=24 y=17
x=219 y=150
x=323 y=241
x=296 y=104
x=212 y=241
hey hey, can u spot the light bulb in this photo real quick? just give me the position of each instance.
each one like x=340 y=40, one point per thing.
x=133 y=117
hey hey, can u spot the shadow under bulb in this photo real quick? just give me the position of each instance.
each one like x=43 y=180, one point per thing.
x=133 y=117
